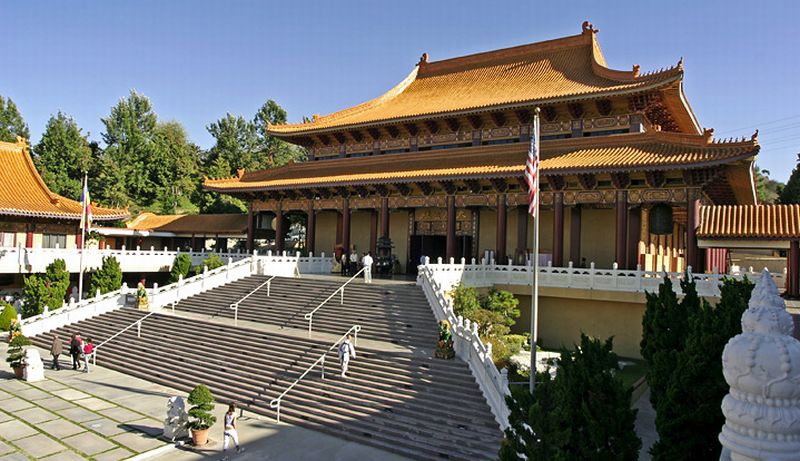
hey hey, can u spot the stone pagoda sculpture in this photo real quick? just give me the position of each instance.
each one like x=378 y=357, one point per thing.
x=762 y=367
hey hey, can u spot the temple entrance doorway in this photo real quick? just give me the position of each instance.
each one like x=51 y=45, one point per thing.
x=432 y=246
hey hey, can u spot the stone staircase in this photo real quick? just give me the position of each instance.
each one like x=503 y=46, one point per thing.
x=397 y=313
x=404 y=402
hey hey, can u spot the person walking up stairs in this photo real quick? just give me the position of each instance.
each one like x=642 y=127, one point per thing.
x=346 y=352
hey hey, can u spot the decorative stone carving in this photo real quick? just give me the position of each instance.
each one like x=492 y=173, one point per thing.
x=33 y=366
x=762 y=367
x=175 y=424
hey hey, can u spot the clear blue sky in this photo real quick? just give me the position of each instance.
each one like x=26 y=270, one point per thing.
x=197 y=60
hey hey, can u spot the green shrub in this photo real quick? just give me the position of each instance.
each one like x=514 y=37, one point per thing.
x=465 y=300
x=202 y=404
x=48 y=289
x=16 y=350
x=516 y=343
x=180 y=267
x=108 y=278
x=7 y=315
x=211 y=262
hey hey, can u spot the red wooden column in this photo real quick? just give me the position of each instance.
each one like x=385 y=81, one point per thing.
x=373 y=231
x=29 y=239
x=451 y=227
x=250 y=230
x=280 y=242
x=634 y=229
x=575 y=235
x=500 y=247
x=346 y=224
x=311 y=228
x=558 y=229
x=385 y=217
x=793 y=270
x=522 y=235
x=621 y=229
x=78 y=240
x=692 y=208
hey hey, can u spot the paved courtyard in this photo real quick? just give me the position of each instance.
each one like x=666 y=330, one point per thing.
x=105 y=416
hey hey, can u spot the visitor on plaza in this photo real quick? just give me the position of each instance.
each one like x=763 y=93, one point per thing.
x=56 y=349
x=353 y=261
x=75 y=350
x=345 y=260
x=347 y=351
x=229 y=431
x=366 y=261
x=88 y=350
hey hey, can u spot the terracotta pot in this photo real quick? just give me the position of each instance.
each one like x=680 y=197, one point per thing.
x=18 y=371
x=199 y=437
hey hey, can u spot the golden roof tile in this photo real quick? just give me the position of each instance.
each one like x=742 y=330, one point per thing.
x=623 y=152
x=749 y=221
x=24 y=193
x=545 y=72
x=191 y=224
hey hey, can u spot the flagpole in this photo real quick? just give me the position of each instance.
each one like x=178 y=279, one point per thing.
x=535 y=257
x=84 y=218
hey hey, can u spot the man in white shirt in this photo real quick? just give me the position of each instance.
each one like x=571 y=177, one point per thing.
x=367 y=263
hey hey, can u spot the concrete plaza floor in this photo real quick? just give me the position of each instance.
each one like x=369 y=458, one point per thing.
x=106 y=416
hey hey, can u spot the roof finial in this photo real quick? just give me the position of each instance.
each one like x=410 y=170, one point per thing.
x=708 y=133
x=754 y=137
x=423 y=59
x=240 y=172
x=589 y=28
x=635 y=70
x=21 y=141
x=680 y=63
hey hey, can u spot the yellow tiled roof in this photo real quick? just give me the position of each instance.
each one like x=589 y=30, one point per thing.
x=191 y=224
x=24 y=193
x=749 y=221
x=555 y=70
x=624 y=152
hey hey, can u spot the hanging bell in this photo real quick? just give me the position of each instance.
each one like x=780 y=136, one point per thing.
x=661 y=219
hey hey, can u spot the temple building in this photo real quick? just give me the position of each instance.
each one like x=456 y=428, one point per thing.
x=32 y=216
x=435 y=165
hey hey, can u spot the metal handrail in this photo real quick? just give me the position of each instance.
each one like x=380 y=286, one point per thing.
x=235 y=305
x=310 y=315
x=138 y=324
x=276 y=402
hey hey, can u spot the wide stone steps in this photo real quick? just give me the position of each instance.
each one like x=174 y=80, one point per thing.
x=419 y=407
x=394 y=313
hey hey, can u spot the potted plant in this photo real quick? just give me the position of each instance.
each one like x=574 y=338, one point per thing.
x=202 y=403
x=16 y=353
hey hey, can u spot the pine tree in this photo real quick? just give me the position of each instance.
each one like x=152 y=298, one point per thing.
x=689 y=415
x=791 y=192
x=108 y=278
x=62 y=156
x=11 y=122
x=273 y=151
x=584 y=413
x=48 y=289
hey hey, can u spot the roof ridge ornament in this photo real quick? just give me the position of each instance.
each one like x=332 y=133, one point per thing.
x=636 y=69
x=708 y=133
x=754 y=136
x=423 y=59
x=240 y=173
x=588 y=28
x=680 y=64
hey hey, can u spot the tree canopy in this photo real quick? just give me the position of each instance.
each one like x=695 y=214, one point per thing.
x=63 y=155
x=11 y=122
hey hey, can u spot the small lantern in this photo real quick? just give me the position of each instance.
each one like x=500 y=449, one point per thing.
x=661 y=219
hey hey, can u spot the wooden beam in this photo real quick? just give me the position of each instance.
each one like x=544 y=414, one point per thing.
x=432 y=125
x=621 y=180
x=500 y=185
x=655 y=178
x=588 y=181
x=425 y=187
x=473 y=185
x=449 y=187
x=549 y=113
x=453 y=123
x=475 y=121
x=375 y=133
x=575 y=110
x=524 y=116
x=556 y=182
x=356 y=135
x=403 y=189
x=498 y=118
x=343 y=192
x=340 y=137
x=381 y=190
x=411 y=128
x=325 y=139
x=362 y=191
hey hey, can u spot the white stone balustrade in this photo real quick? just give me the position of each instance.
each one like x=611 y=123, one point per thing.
x=158 y=297
x=591 y=278
x=35 y=260
x=468 y=345
x=285 y=265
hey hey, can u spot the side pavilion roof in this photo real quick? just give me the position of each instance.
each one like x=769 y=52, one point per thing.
x=24 y=193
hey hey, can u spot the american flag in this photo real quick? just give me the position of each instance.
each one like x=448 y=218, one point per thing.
x=532 y=168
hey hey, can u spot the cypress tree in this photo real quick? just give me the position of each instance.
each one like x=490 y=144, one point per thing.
x=108 y=278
